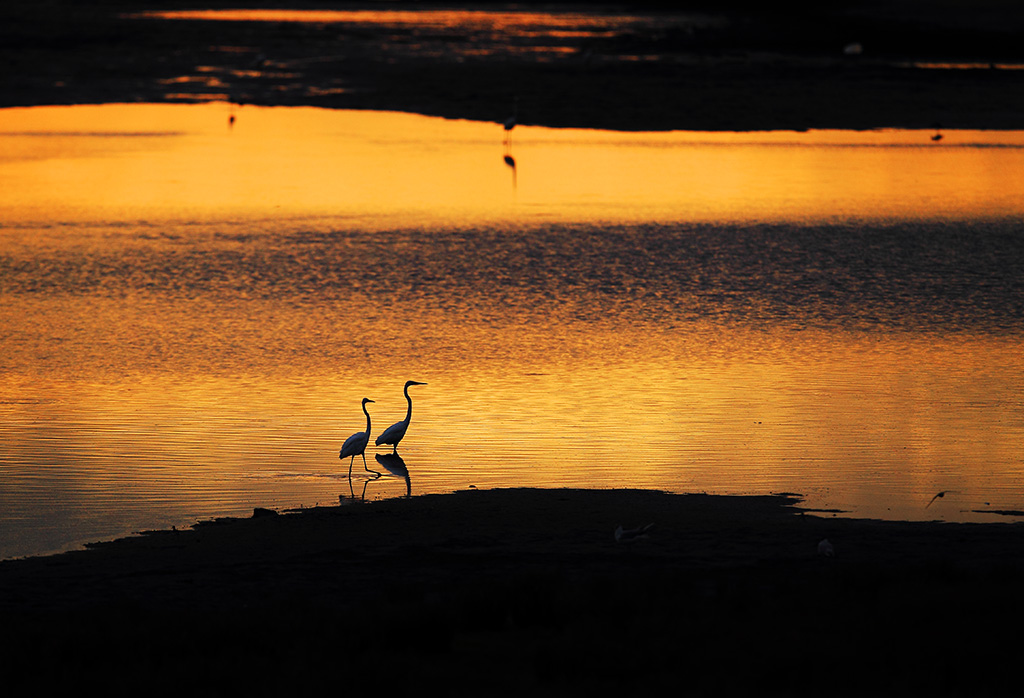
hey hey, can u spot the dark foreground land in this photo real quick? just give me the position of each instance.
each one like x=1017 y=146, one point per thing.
x=516 y=592
x=726 y=65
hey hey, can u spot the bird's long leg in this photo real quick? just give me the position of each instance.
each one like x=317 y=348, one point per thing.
x=368 y=467
x=351 y=460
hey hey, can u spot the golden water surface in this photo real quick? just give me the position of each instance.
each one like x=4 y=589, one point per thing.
x=193 y=306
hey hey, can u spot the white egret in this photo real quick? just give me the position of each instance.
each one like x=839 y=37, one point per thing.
x=355 y=445
x=394 y=433
x=628 y=535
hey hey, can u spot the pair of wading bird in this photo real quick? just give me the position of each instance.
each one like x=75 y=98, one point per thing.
x=355 y=445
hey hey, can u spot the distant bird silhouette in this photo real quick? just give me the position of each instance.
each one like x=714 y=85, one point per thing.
x=396 y=432
x=825 y=548
x=938 y=133
x=940 y=495
x=510 y=122
x=355 y=445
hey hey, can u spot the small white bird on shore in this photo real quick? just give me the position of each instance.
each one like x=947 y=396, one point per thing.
x=624 y=535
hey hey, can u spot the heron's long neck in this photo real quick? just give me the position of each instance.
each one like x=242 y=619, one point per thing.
x=408 y=415
x=367 y=421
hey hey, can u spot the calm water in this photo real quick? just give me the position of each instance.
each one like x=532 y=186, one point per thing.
x=192 y=311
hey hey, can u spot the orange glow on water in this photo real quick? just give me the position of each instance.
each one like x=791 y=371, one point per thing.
x=173 y=161
x=193 y=309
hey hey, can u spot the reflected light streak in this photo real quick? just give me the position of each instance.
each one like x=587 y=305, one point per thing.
x=574 y=24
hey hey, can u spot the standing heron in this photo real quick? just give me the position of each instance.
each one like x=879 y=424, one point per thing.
x=396 y=432
x=510 y=122
x=355 y=445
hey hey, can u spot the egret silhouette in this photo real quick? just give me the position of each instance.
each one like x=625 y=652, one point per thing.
x=510 y=122
x=355 y=445
x=396 y=432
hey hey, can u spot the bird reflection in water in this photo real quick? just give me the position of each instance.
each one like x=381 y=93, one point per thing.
x=395 y=467
x=393 y=463
x=511 y=162
x=352 y=492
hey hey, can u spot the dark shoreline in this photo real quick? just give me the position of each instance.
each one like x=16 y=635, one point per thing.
x=528 y=590
x=750 y=71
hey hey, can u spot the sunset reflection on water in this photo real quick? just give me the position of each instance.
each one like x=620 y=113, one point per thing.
x=178 y=161
x=461 y=33
x=192 y=311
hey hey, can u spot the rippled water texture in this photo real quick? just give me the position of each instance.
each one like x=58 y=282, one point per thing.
x=193 y=308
